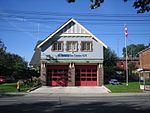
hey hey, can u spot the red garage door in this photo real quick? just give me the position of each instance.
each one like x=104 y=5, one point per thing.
x=57 y=75
x=86 y=75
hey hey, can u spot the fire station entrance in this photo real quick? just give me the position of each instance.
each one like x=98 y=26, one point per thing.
x=57 y=75
x=86 y=75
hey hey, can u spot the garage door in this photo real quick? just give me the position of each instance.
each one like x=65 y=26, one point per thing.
x=86 y=75
x=57 y=75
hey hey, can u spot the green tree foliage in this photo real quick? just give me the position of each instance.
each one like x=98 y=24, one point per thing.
x=141 y=5
x=133 y=50
x=13 y=65
x=2 y=56
x=110 y=59
x=2 y=45
x=133 y=75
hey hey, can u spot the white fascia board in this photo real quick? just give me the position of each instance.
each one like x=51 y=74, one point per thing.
x=73 y=34
x=50 y=36
x=91 y=34
x=64 y=26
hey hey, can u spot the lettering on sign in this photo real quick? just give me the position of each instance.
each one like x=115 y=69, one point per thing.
x=147 y=87
x=72 y=55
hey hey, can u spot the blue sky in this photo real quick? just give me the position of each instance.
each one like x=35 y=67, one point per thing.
x=23 y=22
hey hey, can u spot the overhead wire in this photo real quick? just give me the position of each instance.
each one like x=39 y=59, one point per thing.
x=116 y=34
x=52 y=18
x=72 y=13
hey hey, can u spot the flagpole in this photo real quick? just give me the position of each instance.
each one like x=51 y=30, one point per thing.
x=126 y=35
x=126 y=62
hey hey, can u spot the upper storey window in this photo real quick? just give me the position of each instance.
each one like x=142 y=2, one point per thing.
x=72 y=46
x=58 y=46
x=86 y=46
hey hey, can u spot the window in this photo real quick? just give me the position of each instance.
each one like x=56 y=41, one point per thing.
x=86 y=46
x=57 y=46
x=72 y=46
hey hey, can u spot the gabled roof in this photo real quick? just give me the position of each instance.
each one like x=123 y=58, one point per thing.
x=144 y=50
x=65 y=24
x=39 y=41
x=35 y=61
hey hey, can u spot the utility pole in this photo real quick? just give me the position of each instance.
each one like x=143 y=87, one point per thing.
x=38 y=31
x=149 y=42
x=118 y=47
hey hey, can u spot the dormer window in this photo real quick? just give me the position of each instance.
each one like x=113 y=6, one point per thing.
x=86 y=46
x=57 y=46
x=72 y=46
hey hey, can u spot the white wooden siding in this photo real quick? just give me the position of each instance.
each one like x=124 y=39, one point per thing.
x=73 y=28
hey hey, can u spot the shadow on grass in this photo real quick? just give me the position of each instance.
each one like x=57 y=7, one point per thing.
x=55 y=107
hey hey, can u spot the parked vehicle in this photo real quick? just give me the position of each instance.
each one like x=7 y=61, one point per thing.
x=114 y=82
x=2 y=79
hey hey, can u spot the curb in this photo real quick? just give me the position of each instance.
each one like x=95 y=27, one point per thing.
x=89 y=95
x=34 y=88
x=74 y=94
x=106 y=89
x=12 y=94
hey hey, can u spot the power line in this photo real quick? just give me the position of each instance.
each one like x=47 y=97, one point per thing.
x=71 y=13
x=79 y=18
x=54 y=18
x=115 y=23
x=13 y=15
x=34 y=31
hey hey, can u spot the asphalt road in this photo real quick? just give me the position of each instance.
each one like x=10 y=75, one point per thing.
x=60 y=104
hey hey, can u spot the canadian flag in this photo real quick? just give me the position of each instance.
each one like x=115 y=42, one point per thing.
x=126 y=30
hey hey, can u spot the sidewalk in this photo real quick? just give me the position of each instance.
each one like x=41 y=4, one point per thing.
x=89 y=94
x=72 y=91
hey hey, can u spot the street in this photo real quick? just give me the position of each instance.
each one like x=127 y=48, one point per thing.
x=68 y=104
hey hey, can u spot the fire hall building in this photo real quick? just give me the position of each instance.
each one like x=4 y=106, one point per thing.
x=70 y=56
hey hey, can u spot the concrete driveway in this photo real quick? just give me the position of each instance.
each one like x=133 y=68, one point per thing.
x=71 y=90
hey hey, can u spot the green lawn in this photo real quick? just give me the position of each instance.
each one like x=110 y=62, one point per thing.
x=11 y=87
x=132 y=87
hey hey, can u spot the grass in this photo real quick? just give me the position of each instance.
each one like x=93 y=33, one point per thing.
x=132 y=87
x=11 y=87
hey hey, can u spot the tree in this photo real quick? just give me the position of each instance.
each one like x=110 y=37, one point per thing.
x=133 y=50
x=141 y=5
x=16 y=64
x=13 y=65
x=110 y=59
x=133 y=75
x=2 y=57
x=2 y=45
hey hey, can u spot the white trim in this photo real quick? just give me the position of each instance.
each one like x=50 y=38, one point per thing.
x=144 y=50
x=54 y=33
x=50 y=36
x=90 y=33
x=74 y=34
